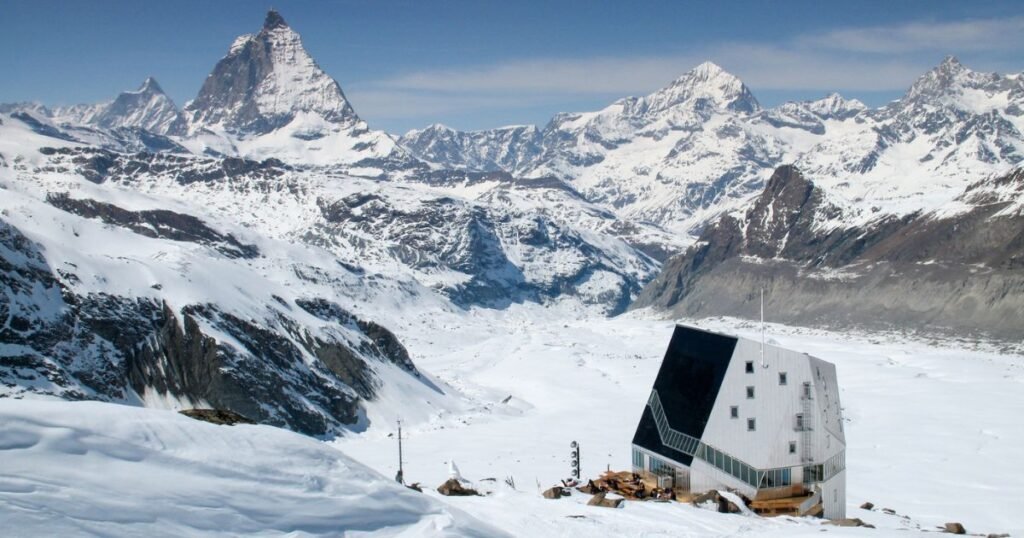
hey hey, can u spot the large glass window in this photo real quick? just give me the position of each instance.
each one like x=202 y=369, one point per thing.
x=638 y=459
x=659 y=467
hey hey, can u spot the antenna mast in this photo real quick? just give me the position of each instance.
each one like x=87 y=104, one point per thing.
x=400 y=478
x=763 y=365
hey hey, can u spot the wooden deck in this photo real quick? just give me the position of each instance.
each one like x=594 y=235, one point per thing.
x=807 y=504
x=794 y=501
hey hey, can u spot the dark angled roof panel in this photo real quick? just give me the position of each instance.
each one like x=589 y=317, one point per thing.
x=688 y=382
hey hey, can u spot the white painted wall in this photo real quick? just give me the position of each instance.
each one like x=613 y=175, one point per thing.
x=774 y=408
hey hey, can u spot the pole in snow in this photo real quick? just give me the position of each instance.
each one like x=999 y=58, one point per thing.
x=399 y=476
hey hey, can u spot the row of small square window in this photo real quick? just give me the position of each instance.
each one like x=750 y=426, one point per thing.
x=734 y=412
x=750 y=369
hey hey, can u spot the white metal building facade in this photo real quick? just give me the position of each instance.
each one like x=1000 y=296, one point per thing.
x=721 y=417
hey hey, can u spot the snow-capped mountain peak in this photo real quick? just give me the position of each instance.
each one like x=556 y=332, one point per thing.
x=834 y=105
x=704 y=85
x=147 y=108
x=268 y=98
x=264 y=82
x=274 y=20
x=952 y=83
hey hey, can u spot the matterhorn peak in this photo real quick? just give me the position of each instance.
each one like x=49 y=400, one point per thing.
x=950 y=63
x=274 y=20
x=266 y=81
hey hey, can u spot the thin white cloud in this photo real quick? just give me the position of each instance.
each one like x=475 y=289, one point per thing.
x=760 y=66
x=869 y=59
x=402 y=103
x=590 y=75
x=1005 y=34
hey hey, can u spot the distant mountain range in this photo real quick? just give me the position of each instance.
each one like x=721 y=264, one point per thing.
x=251 y=250
x=703 y=145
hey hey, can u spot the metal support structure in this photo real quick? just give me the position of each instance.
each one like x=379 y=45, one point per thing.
x=763 y=364
x=807 y=423
x=575 y=460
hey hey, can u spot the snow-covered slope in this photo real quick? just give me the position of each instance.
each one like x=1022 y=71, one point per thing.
x=147 y=108
x=703 y=146
x=913 y=417
x=97 y=469
x=506 y=148
x=160 y=299
x=173 y=280
x=268 y=98
x=958 y=269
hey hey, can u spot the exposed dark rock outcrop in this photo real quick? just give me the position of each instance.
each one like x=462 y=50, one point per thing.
x=100 y=165
x=157 y=223
x=959 y=273
x=448 y=234
x=272 y=369
x=216 y=416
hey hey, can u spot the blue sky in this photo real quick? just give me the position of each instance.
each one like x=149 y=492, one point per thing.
x=479 y=64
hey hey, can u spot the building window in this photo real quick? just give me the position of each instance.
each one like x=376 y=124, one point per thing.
x=750 y=367
x=782 y=378
x=751 y=424
x=750 y=392
x=659 y=467
x=734 y=412
x=792 y=447
x=800 y=422
x=807 y=391
x=813 y=473
x=638 y=459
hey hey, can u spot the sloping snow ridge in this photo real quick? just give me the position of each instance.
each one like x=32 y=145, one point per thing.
x=91 y=468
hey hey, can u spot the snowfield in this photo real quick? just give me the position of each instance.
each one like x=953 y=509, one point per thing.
x=933 y=432
x=930 y=427
x=99 y=469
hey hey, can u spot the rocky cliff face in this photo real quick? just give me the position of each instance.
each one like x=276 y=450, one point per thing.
x=275 y=368
x=264 y=82
x=954 y=271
